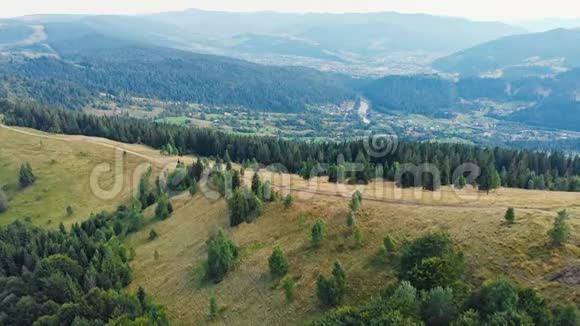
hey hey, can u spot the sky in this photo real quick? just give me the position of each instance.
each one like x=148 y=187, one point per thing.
x=505 y=10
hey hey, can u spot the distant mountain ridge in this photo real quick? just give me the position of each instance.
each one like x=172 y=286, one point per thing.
x=88 y=63
x=287 y=38
x=554 y=50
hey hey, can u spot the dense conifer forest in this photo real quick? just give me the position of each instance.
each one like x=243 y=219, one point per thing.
x=495 y=166
x=72 y=277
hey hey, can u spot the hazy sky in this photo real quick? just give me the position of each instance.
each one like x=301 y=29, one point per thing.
x=507 y=10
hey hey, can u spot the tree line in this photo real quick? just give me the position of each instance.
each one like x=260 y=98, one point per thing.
x=497 y=166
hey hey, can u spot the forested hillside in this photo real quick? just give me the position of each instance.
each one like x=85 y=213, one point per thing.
x=552 y=50
x=497 y=167
x=71 y=277
x=94 y=64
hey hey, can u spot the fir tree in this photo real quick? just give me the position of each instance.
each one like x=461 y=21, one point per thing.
x=26 y=177
x=331 y=290
x=278 y=262
x=221 y=255
x=350 y=219
x=510 y=216
x=256 y=183
x=560 y=232
x=358 y=237
x=318 y=233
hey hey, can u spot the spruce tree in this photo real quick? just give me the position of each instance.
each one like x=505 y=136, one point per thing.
x=244 y=206
x=358 y=237
x=461 y=182
x=560 y=232
x=389 y=244
x=510 y=216
x=228 y=161
x=193 y=187
x=221 y=256
x=331 y=290
x=26 y=177
x=141 y=296
x=164 y=207
x=278 y=263
x=256 y=183
x=355 y=202
x=236 y=180
x=318 y=233
x=350 y=219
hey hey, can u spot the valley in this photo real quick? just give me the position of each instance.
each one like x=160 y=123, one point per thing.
x=356 y=167
x=477 y=122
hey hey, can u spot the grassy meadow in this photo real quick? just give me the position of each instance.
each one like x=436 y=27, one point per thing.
x=249 y=295
x=64 y=166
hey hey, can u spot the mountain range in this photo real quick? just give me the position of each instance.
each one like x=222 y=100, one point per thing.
x=194 y=56
x=316 y=40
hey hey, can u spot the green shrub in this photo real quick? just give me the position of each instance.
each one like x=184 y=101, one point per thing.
x=289 y=287
x=221 y=256
x=350 y=219
x=331 y=290
x=214 y=308
x=152 y=235
x=560 y=233
x=318 y=233
x=431 y=261
x=288 y=201
x=26 y=177
x=278 y=262
x=510 y=216
x=439 y=307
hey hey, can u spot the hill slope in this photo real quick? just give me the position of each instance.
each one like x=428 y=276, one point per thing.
x=89 y=64
x=69 y=171
x=553 y=50
x=249 y=295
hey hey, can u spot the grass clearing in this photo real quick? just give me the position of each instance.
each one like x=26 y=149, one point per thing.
x=63 y=166
x=251 y=296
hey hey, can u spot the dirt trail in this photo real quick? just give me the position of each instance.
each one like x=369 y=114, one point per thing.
x=403 y=202
x=159 y=163
x=162 y=163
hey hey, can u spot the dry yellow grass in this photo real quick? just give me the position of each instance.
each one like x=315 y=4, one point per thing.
x=250 y=296
x=63 y=166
